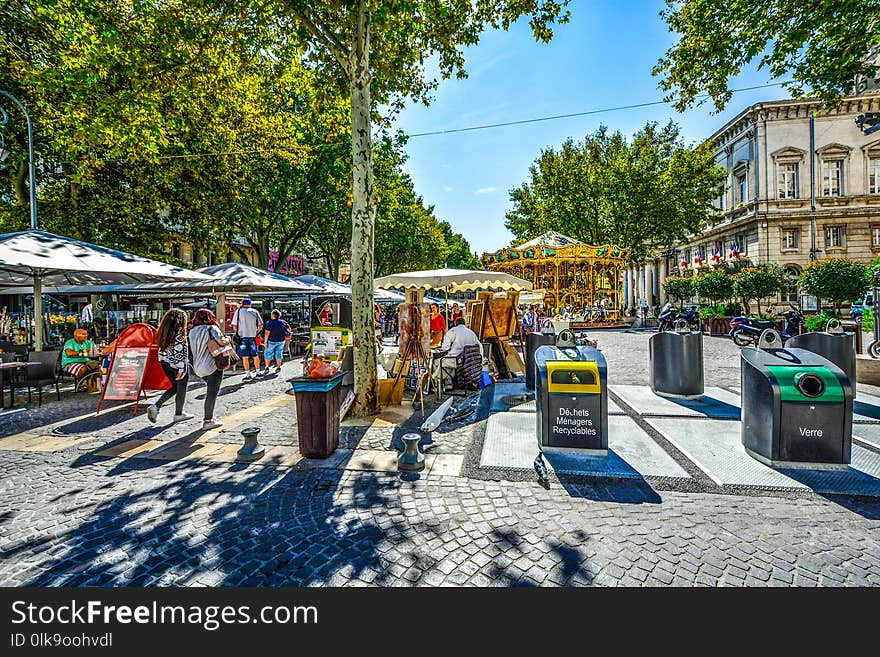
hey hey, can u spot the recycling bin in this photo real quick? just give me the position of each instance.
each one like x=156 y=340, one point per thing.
x=839 y=348
x=317 y=414
x=796 y=409
x=676 y=364
x=533 y=341
x=572 y=399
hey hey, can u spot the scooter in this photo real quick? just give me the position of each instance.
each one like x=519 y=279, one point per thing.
x=668 y=317
x=746 y=331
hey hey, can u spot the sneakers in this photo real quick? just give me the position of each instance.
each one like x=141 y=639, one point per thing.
x=278 y=369
x=183 y=417
x=213 y=424
x=152 y=413
x=249 y=376
x=266 y=372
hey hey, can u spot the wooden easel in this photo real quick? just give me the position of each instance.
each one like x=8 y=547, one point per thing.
x=415 y=351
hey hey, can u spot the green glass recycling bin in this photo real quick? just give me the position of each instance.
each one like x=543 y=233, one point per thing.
x=796 y=409
x=572 y=399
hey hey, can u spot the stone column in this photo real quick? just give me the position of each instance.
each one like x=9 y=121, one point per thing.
x=628 y=285
x=650 y=278
x=663 y=275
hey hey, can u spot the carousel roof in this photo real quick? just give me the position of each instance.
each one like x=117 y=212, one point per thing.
x=551 y=238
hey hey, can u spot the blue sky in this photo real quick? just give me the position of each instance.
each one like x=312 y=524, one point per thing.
x=601 y=59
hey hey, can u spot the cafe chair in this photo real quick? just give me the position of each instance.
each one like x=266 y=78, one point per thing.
x=41 y=372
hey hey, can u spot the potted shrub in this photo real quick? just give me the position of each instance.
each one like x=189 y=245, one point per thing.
x=716 y=286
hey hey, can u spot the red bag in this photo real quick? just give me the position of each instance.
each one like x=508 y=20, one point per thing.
x=318 y=369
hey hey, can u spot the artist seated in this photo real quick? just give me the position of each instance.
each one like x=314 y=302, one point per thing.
x=75 y=361
x=458 y=337
x=438 y=325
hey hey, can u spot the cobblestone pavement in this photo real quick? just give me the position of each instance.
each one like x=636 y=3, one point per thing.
x=71 y=517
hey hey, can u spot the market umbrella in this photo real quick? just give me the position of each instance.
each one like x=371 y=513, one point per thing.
x=454 y=280
x=34 y=256
x=326 y=285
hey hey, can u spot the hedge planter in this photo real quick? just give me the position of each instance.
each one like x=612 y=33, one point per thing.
x=718 y=325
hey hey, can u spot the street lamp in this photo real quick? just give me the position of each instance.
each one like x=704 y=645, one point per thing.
x=4 y=153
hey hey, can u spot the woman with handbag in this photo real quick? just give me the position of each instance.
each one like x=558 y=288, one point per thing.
x=204 y=337
x=174 y=359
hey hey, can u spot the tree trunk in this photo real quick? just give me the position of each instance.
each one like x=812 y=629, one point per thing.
x=363 y=216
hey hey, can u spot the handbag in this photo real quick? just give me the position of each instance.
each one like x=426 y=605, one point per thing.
x=223 y=353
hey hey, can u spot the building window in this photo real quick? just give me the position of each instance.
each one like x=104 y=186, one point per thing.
x=790 y=238
x=743 y=188
x=196 y=257
x=874 y=175
x=787 y=180
x=875 y=235
x=834 y=237
x=176 y=252
x=832 y=178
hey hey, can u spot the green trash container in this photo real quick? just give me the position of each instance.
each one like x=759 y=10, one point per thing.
x=796 y=409
x=317 y=414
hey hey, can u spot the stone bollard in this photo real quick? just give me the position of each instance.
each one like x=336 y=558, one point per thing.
x=252 y=449
x=411 y=459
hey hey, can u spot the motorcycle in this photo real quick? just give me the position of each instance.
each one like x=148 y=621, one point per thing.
x=746 y=331
x=668 y=317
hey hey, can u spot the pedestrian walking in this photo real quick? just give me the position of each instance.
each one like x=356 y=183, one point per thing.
x=247 y=323
x=204 y=330
x=174 y=359
x=276 y=332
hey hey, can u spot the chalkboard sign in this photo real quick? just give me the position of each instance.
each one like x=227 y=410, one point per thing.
x=126 y=373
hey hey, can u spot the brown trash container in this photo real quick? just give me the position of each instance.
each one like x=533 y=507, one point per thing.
x=317 y=414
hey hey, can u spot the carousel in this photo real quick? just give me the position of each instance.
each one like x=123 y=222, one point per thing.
x=576 y=278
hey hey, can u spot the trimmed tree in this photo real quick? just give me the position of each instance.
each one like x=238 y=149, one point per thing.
x=716 y=286
x=836 y=279
x=755 y=283
x=679 y=288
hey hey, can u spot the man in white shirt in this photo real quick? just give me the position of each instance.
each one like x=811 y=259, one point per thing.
x=247 y=324
x=454 y=342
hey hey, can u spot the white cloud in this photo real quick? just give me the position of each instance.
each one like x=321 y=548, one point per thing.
x=486 y=190
x=447 y=188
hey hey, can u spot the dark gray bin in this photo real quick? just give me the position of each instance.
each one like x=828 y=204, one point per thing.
x=797 y=409
x=676 y=364
x=839 y=348
x=572 y=399
x=533 y=341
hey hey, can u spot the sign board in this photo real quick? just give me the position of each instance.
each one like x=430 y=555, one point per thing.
x=328 y=342
x=126 y=373
x=809 y=302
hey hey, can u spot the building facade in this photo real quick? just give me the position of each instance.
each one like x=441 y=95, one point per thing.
x=766 y=205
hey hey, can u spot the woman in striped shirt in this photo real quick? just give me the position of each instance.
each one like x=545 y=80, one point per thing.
x=174 y=359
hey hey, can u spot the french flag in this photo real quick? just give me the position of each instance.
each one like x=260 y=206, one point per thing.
x=716 y=254
x=698 y=257
x=734 y=250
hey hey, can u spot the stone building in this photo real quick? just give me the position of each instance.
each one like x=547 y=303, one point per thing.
x=766 y=207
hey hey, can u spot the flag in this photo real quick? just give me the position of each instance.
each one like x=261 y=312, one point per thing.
x=716 y=254
x=734 y=250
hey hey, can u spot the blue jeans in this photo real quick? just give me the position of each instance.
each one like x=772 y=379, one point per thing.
x=248 y=348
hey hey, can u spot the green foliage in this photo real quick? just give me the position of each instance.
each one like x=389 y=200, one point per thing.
x=651 y=190
x=715 y=286
x=868 y=319
x=710 y=312
x=821 y=46
x=755 y=283
x=836 y=279
x=818 y=321
x=678 y=287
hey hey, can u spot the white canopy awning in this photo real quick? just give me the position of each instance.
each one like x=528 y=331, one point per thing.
x=454 y=280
